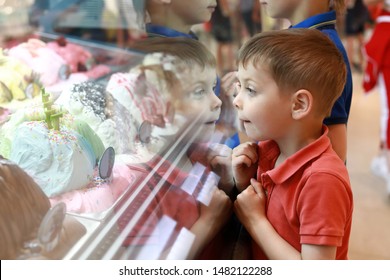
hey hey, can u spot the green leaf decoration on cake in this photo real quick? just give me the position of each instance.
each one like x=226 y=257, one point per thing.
x=82 y=128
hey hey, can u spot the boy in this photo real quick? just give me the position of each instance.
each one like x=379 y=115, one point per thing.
x=317 y=14
x=189 y=79
x=175 y=18
x=377 y=73
x=301 y=205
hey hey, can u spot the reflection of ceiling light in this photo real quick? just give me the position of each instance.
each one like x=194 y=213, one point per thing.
x=8 y=10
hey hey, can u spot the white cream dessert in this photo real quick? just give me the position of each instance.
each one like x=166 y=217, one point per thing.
x=19 y=85
x=85 y=101
x=59 y=156
x=53 y=71
x=58 y=160
x=89 y=102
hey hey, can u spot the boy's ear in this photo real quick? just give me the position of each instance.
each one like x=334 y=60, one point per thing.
x=301 y=104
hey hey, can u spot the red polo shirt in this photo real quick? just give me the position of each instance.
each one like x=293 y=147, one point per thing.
x=309 y=197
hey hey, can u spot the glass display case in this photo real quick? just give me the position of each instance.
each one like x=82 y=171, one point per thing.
x=113 y=145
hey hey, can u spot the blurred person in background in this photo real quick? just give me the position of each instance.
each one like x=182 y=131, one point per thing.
x=221 y=29
x=374 y=7
x=250 y=13
x=356 y=18
x=78 y=18
x=131 y=21
x=377 y=75
x=175 y=18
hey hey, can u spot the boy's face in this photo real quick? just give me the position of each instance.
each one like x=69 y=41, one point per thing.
x=198 y=100
x=264 y=111
x=194 y=11
x=280 y=8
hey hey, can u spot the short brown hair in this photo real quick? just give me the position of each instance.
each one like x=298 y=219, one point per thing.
x=23 y=206
x=299 y=59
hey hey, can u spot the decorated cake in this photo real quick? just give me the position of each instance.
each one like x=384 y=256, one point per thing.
x=115 y=124
x=44 y=61
x=58 y=64
x=78 y=59
x=58 y=160
x=19 y=85
x=89 y=102
x=63 y=155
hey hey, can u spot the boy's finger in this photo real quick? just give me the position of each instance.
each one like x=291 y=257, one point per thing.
x=242 y=160
x=257 y=187
x=250 y=153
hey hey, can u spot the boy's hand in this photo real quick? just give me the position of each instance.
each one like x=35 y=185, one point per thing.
x=228 y=84
x=250 y=204
x=244 y=163
x=220 y=159
x=228 y=118
x=218 y=211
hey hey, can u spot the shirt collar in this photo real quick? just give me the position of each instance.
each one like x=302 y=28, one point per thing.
x=318 y=21
x=163 y=31
x=299 y=159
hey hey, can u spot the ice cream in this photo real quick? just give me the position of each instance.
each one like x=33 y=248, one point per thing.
x=59 y=155
x=85 y=101
x=78 y=58
x=99 y=194
x=58 y=160
x=143 y=101
x=18 y=83
x=89 y=102
x=44 y=61
x=4 y=113
x=7 y=131
x=132 y=101
x=58 y=67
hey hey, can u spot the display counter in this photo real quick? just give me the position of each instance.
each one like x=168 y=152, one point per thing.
x=96 y=128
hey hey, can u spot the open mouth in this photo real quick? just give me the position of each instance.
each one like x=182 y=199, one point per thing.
x=244 y=121
x=210 y=123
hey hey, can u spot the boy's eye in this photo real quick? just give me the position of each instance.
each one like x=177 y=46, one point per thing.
x=250 y=90
x=199 y=92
